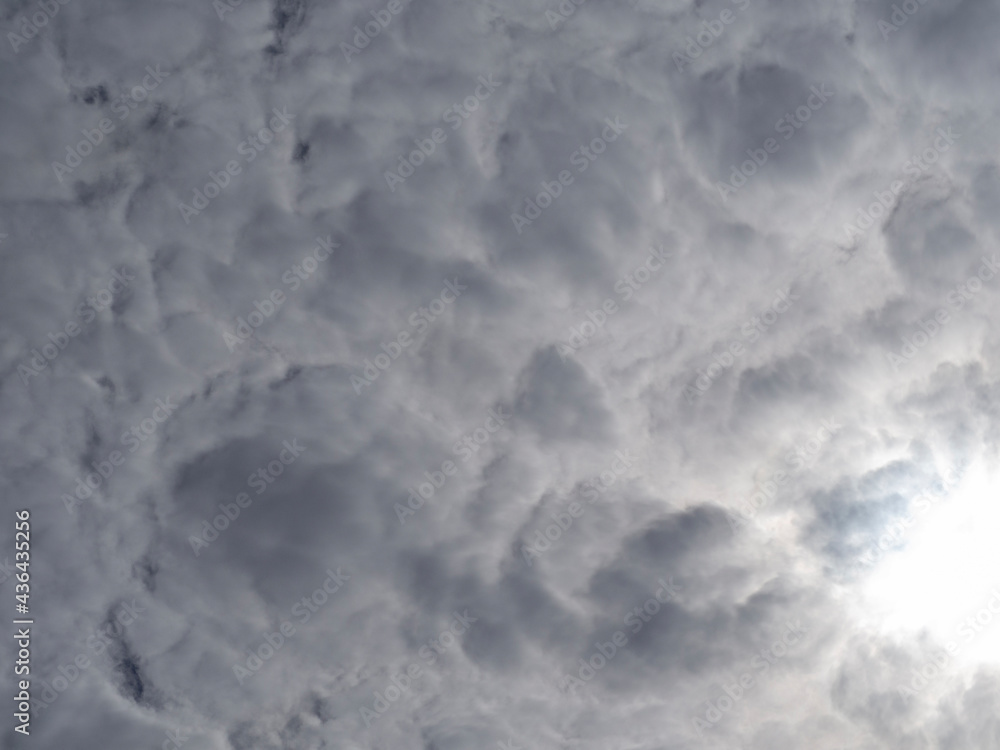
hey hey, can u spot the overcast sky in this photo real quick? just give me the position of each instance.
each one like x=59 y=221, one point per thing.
x=432 y=375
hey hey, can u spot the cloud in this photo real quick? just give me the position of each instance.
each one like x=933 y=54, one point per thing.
x=496 y=344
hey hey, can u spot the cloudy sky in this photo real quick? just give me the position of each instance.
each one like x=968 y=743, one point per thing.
x=433 y=375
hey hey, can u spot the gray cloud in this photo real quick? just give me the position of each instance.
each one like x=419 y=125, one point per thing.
x=386 y=382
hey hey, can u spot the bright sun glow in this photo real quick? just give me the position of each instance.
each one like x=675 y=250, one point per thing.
x=946 y=571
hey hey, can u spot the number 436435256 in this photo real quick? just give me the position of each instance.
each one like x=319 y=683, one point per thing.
x=22 y=542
